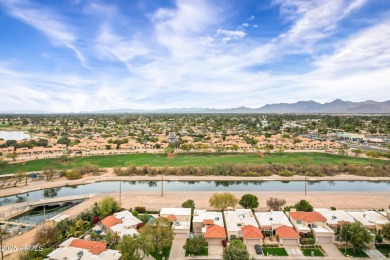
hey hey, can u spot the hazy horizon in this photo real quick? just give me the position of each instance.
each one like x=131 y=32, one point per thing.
x=77 y=56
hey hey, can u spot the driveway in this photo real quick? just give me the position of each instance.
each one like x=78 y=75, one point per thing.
x=293 y=250
x=374 y=253
x=177 y=250
x=332 y=251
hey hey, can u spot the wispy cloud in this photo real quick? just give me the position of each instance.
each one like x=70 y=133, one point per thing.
x=45 y=21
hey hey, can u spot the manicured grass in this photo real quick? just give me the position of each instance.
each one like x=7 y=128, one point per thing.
x=307 y=252
x=204 y=252
x=194 y=159
x=357 y=253
x=165 y=254
x=280 y=251
x=384 y=251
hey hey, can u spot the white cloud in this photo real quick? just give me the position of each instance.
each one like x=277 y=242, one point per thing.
x=46 y=22
x=228 y=35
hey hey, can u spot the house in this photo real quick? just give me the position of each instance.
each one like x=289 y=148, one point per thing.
x=312 y=222
x=74 y=248
x=236 y=219
x=180 y=218
x=122 y=223
x=251 y=235
x=287 y=235
x=335 y=218
x=215 y=234
x=172 y=137
x=203 y=219
x=271 y=220
x=370 y=219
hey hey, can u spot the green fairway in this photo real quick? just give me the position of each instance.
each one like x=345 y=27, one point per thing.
x=195 y=159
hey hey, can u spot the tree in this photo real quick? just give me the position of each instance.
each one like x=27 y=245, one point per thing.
x=12 y=156
x=223 y=200
x=169 y=151
x=275 y=203
x=46 y=236
x=386 y=230
x=134 y=247
x=236 y=251
x=107 y=206
x=195 y=245
x=357 y=151
x=249 y=201
x=303 y=205
x=160 y=233
x=357 y=235
x=18 y=177
x=189 y=204
x=49 y=172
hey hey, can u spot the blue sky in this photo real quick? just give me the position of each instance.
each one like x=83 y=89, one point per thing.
x=80 y=55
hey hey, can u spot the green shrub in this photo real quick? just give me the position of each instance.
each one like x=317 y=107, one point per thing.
x=379 y=238
x=135 y=213
x=73 y=174
x=140 y=209
x=332 y=208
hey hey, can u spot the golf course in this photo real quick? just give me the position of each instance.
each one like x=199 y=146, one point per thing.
x=187 y=159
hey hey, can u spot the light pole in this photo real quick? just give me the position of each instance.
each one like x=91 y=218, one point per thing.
x=162 y=183
x=120 y=193
x=345 y=247
x=1 y=243
x=305 y=182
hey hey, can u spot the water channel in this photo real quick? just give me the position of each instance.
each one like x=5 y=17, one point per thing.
x=113 y=186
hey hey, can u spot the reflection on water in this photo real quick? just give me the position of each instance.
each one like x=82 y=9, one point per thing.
x=113 y=186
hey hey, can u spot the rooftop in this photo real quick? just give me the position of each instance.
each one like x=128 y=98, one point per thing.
x=205 y=217
x=176 y=211
x=369 y=217
x=215 y=231
x=335 y=217
x=239 y=218
x=286 y=232
x=272 y=218
x=308 y=217
x=250 y=231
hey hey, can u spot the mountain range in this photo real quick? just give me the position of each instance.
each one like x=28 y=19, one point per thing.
x=301 y=107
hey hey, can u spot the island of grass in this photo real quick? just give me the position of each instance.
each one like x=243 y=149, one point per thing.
x=274 y=251
x=353 y=253
x=188 y=159
x=316 y=251
x=204 y=252
x=384 y=251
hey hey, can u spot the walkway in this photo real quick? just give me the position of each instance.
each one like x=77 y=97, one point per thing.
x=374 y=253
x=293 y=250
x=332 y=251
x=177 y=250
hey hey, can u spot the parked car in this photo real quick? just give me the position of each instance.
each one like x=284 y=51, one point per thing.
x=258 y=249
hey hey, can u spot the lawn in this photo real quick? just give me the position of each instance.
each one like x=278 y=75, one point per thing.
x=357 y=253
x=279 y=251
x=307 y=252
x=204 y=252
x=193 y=159
x=384 y=251
x=165 y=254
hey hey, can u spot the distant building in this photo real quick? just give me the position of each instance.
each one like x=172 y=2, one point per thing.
x=172 y=137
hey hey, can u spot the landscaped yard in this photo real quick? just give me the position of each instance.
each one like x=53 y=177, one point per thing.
x=204 y=252
x=307 y=252
x=356 y=253
x=165 y=253
x=275 y=251
x=194 y=159
x=384 y=251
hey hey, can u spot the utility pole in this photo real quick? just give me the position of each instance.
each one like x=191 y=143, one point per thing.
x=305 y=182
x=162 y=183
x=120 y=193
x=1 y=243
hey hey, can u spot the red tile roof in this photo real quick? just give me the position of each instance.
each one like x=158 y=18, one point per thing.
x=215 y=231
x=286 y=232
x=94 y=247
x=250 y=231
x=308 y=217
x=208 y=221
x=111 y=221
x=171 y=217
